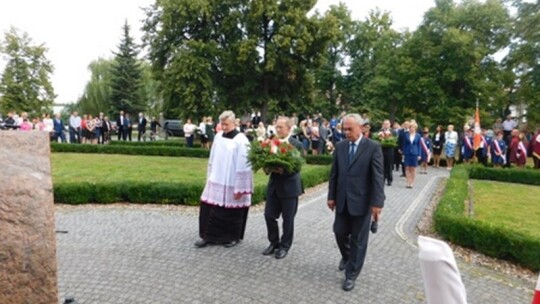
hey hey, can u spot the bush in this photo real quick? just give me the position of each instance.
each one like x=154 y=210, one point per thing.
x=452 y=223
x=519 y=176
x=159 y=143
x=177 y=151
x=157 y=193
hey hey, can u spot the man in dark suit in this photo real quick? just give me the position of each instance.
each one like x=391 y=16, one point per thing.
x=356 y=194
x=141 y=127
x=121 y=125
x=282 y=198
x=58 y=128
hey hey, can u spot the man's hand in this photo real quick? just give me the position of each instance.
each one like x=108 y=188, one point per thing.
x=237 y=196
x=331 y=204
x=376 y=213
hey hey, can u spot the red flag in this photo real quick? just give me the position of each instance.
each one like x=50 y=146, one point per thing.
x=477 y=131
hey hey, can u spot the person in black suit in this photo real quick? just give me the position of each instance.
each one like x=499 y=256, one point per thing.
x=121 y=124
x=356 y=194
x=141 y=127
x=282 y=198
x=58 y=128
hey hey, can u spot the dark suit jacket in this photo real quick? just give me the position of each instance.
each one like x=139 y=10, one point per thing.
x=358 y=185
x=142 y=125
x=286 y=185
x=58 y=125
x=412 y=148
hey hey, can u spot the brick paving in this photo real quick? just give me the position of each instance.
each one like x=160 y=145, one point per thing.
x=146 y=255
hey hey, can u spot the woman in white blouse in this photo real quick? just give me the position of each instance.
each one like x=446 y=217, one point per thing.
x=451 y=138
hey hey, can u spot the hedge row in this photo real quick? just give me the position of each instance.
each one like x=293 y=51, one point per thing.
x=156 y=150
x=518 y=176
x=159 y=143
x=157 y=193
x=132 y=150
x=452 y=222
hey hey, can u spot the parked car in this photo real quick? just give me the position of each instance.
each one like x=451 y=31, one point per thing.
x=173 y=127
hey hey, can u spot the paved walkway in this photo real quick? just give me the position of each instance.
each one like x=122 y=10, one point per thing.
x=146 y=255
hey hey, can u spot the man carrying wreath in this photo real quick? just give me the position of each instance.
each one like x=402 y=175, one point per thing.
x=282 y=197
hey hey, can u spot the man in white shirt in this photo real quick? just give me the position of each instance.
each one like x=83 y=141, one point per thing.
x=508 y=125
x=75 y=128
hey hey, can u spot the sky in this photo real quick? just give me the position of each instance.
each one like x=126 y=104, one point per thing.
x=79 y=32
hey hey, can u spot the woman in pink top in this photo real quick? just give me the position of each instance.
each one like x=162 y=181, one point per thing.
x=26 y=125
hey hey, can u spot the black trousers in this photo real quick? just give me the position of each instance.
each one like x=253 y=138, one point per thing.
x=286 y=207
x=352 y=234
x=388 y=159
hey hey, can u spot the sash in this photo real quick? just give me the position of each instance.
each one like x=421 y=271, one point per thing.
x=521 y=147
x=468 y=142
x=486 y=146
x=499 y=151
x=425 y=148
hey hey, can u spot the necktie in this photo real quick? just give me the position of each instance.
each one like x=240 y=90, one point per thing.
x=351 y=152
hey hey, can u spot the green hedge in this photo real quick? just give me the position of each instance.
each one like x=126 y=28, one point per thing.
x=452 y=222
x=518 y=176
x=131 y=150
x=158 y=150
x=157 y=193
x=159 y=143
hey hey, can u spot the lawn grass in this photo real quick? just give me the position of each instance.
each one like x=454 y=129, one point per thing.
x=515 y=206
x=104 y=168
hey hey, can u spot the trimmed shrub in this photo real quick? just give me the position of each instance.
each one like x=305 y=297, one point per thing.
x=176 y=151
x=452 y=223
x=157 y=193
x=519 y=176
x=159 y=143
x=319 y=159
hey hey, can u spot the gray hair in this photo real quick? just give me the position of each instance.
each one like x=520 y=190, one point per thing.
x=289 y=122
x=356 y=117
x=227 y=115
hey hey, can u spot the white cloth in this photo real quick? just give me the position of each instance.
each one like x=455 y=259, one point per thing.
x=75 y=121
x=442 y=280
x=228 y=173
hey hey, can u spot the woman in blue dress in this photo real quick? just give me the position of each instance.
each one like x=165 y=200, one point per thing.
x=411 y=153
x=451 y=139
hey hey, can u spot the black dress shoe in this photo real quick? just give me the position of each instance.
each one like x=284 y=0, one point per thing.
x=270 y=250
x=389 y=183
x=281 y=253
x=348 y=284
x=201 y=243
x=342 y=264
x=231 y=244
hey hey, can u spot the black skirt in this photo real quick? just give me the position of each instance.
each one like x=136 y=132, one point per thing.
x=221 y=225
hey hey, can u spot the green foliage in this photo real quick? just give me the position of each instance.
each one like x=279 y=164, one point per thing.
x=157 y=192
x=518 y=176
x=215 y=55
x=131 y=150
x=523 y=60
x=25 y=82
x=166 y=143
x=98 y=92
x=492 y=239
x=272 y=155
x=127 y=91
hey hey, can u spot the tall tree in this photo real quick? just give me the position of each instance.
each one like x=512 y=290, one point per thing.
x=379 y=68
x=210 y=55
x=25 y=83
x=330 y=78
x=523 y=60
x=97 y=93
x=454 y=49
x=126 y=77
